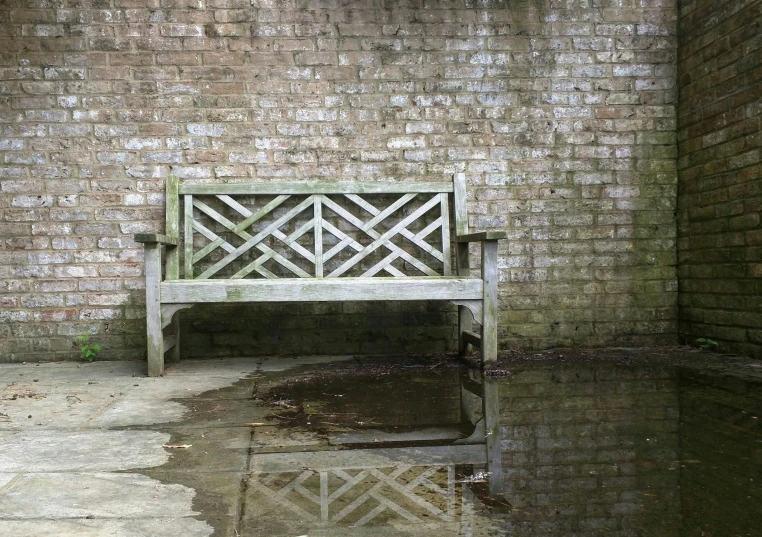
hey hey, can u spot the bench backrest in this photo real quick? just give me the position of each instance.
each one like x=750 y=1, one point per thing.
x=313 y=229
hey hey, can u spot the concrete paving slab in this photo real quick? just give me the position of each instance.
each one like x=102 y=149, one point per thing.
x=23 y=388
x=156 y=527
x=221 y=449
x=218 y=494
x=285 y=363
x=206 y=413
x=53 y=408
x=149 y=401
x=88 y=450
x=177 y=387
x=213 y=367
x=132 y=411
x=5 y=479
x=100 y=495
x=78 y=371
x=9 y=371
x=272 y=438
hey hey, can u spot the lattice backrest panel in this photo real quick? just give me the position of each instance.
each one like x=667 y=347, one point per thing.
x=325 y=234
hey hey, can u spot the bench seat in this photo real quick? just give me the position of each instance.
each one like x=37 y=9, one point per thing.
x=305 y=290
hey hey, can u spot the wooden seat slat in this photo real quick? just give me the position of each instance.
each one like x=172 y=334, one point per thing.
x=326 y=290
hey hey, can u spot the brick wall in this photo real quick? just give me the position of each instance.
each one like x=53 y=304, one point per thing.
x=720 y=191
x=720 y=436
x=561 y=113
x=591 y=449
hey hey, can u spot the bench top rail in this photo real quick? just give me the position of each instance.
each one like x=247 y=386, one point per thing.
x=315 y=187
x=314 y=229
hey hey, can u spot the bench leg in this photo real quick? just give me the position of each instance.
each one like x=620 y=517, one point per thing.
x=465 y=317
x=154 y=333
x=173 y=355
x=465 y=324
x=489 y=305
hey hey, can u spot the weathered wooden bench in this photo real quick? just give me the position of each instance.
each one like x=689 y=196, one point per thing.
x=316 y=241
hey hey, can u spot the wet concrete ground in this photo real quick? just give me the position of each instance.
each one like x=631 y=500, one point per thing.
x=629 y=443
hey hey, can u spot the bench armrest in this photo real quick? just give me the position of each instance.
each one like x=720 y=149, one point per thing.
x=482 y=236
x=155 y=238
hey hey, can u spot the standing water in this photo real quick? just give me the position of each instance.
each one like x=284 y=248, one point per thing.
x=618 y=444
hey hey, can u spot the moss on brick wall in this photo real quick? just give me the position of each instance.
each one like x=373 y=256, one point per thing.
x=560 y=113
x=720 y=191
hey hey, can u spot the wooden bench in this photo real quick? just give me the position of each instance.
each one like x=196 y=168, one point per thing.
x=316 y=241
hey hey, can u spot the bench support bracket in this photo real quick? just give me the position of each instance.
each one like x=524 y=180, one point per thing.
x=168 y=312
x=474 y=306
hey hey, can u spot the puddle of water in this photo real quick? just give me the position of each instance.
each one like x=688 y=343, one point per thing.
x=625 y=446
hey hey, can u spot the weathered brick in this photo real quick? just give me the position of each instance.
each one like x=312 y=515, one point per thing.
x=710 y=228
x=563 y=125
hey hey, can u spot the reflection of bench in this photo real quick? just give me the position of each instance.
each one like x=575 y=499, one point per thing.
x=372 y=487
x=316 y=241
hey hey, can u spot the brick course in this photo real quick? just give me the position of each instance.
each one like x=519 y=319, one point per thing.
x=561 y=113
x=720 y=190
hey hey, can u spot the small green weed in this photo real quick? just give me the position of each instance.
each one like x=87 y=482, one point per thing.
x=89 y=350
x=707 y=344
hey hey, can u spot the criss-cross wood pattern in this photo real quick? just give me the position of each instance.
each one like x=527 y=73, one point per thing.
x=316 y=234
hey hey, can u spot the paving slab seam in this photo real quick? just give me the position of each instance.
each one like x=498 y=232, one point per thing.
x=238 y=527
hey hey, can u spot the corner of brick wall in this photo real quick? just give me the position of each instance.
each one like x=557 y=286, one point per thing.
x=562 y=115
x=720 y=187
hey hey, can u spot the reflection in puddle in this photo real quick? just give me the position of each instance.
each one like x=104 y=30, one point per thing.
x=401 y=450
x=551 y=448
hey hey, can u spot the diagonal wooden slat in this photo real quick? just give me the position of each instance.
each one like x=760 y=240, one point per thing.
x=428 y=230
x=229 y=248
x=420 y=265
x=364 y=497
x=383 y=241
x=212 y=236
x=272 y=254
x=277 y=233
x=358 y=247
x=426 y=247
x=380 y=508
x=251 y=218
x=266 y=273
x=349 y=482
x=333 y=230
x=246 y=246
x=368 y=226
x=382 y=265
x=280 y=498
x=405 y=491
x=262 y=247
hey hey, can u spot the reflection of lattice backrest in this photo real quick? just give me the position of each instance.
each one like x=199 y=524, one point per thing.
x=316 y=230
x=365 y=496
